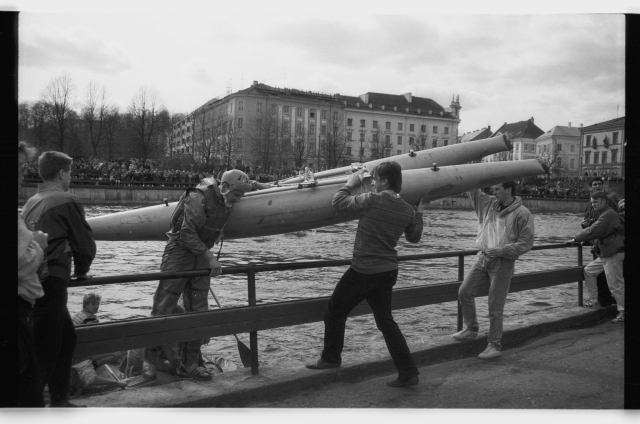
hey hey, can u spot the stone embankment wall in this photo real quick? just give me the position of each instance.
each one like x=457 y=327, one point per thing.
x=149 y=196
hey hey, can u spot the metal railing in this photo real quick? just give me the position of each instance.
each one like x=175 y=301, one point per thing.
x=142 y=332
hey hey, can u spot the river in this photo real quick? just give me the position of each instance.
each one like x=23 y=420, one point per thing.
x=444 y=230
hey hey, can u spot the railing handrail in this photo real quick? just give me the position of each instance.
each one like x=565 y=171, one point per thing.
x=245 y=269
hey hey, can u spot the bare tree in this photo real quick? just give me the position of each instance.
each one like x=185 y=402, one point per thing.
x=261 y=133
x=378 y=144
x=333 y=143
x=59 y=96
x=113 y=124
x=301 y=148
x=207 y=133
x=40 y=125
x=24 y=121
x=229 y=133
x=282 y=146
x=144 y=119
x=94 y=113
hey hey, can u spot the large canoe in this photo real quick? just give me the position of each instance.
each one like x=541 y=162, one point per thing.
x=267 y=213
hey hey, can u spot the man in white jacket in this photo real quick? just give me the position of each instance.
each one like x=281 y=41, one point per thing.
x=505 y=231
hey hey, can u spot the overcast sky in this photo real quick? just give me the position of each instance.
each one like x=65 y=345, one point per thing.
x=505 y=68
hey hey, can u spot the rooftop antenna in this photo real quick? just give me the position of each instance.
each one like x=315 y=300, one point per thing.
x=617 y=110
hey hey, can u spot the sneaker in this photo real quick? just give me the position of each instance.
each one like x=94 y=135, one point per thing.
x=321 y=365
x=489 y=352
x=404 y=382
x=619 y=319
x=198 y=373
x=149 y=371
x=465 y=334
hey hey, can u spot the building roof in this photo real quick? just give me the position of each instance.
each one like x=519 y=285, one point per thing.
x=522 y=129
x=417 y=105
x=606 y=125
x=560 y=130
x=476 y=135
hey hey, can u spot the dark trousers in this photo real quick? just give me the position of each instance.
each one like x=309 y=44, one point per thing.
x=352 y=289
x=55 y=338
x=605 y=298
x=29 y=390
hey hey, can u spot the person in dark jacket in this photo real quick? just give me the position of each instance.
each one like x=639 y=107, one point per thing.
x=59 y=213
x=608 y=234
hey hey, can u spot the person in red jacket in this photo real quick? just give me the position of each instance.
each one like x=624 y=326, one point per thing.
x=58 y=213
x=608 y=233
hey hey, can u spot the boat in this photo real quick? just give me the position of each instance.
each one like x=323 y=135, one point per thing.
x=291 y=209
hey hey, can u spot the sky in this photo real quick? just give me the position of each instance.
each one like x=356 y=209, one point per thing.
x=505 y=65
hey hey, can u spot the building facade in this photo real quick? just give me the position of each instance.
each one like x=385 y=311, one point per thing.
x=480 y=134
x=560 y=147
x=522 y=135
x=602 y=149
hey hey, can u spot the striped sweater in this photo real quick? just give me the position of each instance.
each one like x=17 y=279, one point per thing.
x=383 y=219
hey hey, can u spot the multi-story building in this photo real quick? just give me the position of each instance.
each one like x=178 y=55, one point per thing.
x=560 y=146
x=602 y=149
x=480 y=134
x=522 y=135
x=302 y=126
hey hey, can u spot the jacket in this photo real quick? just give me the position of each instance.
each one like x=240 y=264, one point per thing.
x=511 y=229
x=60 y=214
x=30 y=256
x=608 y=232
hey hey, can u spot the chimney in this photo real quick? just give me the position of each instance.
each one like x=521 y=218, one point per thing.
x=580 y=125
x=569 y=124
x=531 y=120
x=489 y=128
x=255 y=83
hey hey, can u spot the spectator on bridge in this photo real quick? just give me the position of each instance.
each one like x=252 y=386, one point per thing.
x=603 y=297
x=607 y=234
x=384 y=217
x=505 y=232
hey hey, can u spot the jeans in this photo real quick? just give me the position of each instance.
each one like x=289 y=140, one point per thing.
x=29 y=388
x=612 y=266
x=377 y=289
x=194 y=291
x=497 y=272
x=55 y=338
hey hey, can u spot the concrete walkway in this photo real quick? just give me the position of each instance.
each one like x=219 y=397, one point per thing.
x=573 y=359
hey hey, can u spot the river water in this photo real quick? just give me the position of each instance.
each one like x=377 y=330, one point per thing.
x=444 y=230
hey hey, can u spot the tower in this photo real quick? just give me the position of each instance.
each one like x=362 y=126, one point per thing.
x=455 y=105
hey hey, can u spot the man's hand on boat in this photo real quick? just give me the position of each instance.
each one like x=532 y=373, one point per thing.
x=216 y=268
x=357 y=177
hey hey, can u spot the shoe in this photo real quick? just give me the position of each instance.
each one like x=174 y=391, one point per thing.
x=465 y=334
x=199 y=374
x=404 y=382
x=592 y=304
x=149 y=371
x=65 y=404
x=179 y=372
x=489 y=352
x=321 y=365
x=619 y=319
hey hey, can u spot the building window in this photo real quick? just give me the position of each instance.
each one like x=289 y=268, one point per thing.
x=312 y=113
x=399 y=126
x=446 y=130
x=572 y=163
x=312 y=128
x=349 y=136
x=323 y=129
x=375 y=124
x=399 y=139
x=559 y=162
x=435 y=130
x=615 y=138
x=259 y=107
x=517 y=147
x=559 y=148
x=588 y=141
x=239 y=143
x=423 y=141
x=587 y=157
x=526 y=148
x=349 y=150
x=614 y=156
x=388 y=126
x=298 y=111
x=434 y=142
x=362 y=136
x=410 y=141
x=573 y=148
x=604 y=157
x=335 y=115
x=387 y=139
x=240 y=105
x=362 y=122
x=349 y=122
x=239 y=122
x=324 y=114
x=285 y=110
x=274 y=109
x=596 y=157
x=411 y=126
x=299 y=128
x=446 y=143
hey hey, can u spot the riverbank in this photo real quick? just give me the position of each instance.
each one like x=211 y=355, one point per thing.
x=241 y=389
x=150 y=196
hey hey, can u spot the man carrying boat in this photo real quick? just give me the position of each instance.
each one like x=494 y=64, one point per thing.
x=195 y=226
x=384 y=217
x=505 y=232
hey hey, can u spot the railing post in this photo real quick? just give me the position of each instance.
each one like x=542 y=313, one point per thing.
x=460 y=278
x=253 y=335
x=580 y=286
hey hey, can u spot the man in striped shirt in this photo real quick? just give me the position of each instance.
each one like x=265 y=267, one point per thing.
x=384 y=217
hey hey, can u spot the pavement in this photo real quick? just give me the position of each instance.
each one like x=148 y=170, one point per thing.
x=573 y=360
